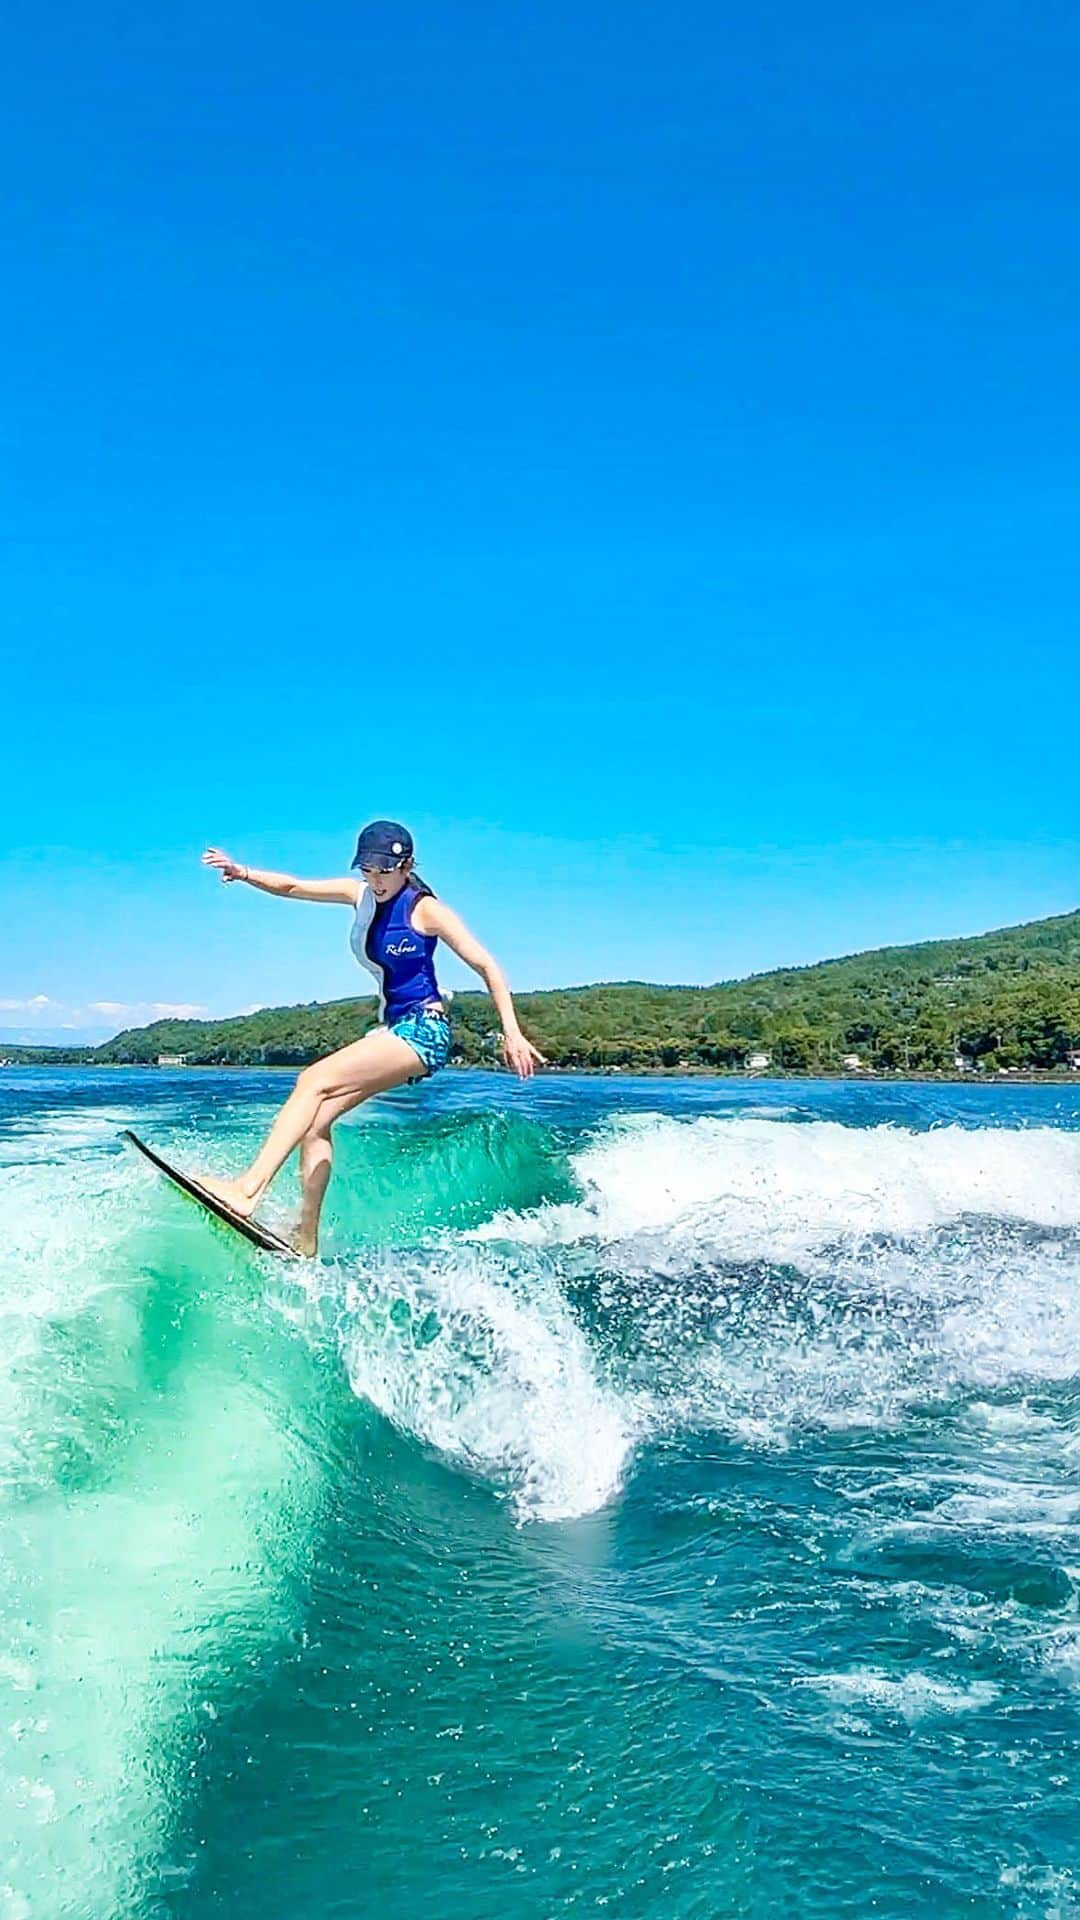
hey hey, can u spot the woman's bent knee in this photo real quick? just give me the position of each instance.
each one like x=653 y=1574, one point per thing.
x=316 y=1080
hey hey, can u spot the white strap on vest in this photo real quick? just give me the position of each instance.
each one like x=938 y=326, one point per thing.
x=365 y=913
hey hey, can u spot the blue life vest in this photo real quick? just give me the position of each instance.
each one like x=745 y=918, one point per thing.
x=402 y=960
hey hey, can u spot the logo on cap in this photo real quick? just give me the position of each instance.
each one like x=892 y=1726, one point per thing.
x=397 y=847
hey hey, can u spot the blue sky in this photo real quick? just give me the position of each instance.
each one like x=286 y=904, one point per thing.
x=634 y=445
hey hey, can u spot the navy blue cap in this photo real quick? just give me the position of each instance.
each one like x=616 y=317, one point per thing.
x=383 y=844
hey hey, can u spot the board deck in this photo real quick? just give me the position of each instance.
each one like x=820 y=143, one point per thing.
x=252 y=1230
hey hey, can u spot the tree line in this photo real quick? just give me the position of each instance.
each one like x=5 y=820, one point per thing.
x=1004 y=999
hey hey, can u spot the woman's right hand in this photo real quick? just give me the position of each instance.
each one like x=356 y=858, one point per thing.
x=228 y=869
x=520 y=1054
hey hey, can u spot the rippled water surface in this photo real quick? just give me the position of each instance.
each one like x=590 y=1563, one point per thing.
x=662 y=1497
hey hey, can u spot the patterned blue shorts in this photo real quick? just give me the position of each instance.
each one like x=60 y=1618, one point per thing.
x=427 y=1031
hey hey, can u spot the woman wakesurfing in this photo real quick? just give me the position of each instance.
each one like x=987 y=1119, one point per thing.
x=397 y=921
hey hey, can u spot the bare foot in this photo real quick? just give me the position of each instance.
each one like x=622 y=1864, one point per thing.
x=236 y=1198
x=305 y=1240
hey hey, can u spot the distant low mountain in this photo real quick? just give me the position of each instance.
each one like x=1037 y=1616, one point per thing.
x=1007 y=999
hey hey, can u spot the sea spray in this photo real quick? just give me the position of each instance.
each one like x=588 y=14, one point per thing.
x=759 y=1188
x=509 y=1387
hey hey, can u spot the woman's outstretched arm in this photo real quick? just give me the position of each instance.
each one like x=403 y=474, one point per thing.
x=434 y=916
x=343 y=892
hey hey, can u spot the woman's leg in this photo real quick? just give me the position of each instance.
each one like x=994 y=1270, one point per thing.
x=316 y=1162
x=371 y=1065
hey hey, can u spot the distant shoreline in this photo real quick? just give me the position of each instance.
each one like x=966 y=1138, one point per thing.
x=1016 y=1076
x=997 y=1007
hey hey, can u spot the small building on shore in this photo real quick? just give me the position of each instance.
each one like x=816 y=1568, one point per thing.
x=172 y=1059
x=1072 y=1059
x=757 y=1062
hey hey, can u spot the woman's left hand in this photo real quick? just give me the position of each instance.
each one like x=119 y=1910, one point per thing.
x=520 y=1054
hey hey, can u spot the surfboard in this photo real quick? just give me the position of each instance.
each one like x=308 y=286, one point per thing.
x=252 y=1230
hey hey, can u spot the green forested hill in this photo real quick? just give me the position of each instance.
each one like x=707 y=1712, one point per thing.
x=1004 y=999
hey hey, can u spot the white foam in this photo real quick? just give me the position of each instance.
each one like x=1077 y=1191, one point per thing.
x=507 y=1389
x=52 y=1133
x=1012 y=1506
x=755 y=1188
x=914 y=1697
x=1062 y=1654
x=903 y=1265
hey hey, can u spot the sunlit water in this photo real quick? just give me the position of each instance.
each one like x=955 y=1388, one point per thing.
x=663 y=1498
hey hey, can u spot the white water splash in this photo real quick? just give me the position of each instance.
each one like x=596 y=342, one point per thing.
x=757 y=1189
x=913 y=1697
x=508 y=1389
x=840 y=1275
